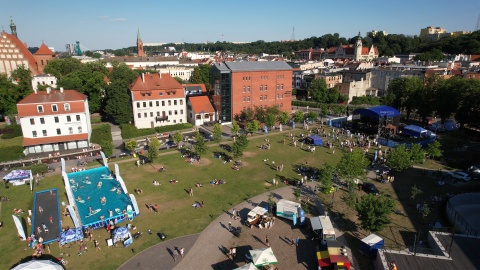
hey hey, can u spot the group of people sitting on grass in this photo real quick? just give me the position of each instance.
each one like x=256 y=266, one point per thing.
x=138 y=190
x=218 y=182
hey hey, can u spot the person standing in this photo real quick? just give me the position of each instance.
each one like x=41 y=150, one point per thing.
x=182 y=251
x=233 y=214
x=267 y=242
x=297 y=240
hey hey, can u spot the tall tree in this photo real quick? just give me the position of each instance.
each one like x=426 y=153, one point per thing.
x=23 y=77
x=270 y=119
x=284 y=118
x=239 y=146
x=352 y=165
x=402 y=93
x=373 y=211
x=326 y=175
x=468 y=112
x=118 y=105
x=60 y=67
x=217 y=132
x=449 y=95
x=235 y=127
x=200 y=145
x=8 y=96
x=153 y=147
x=318 y=90
x=177 y=138
x=201 y=74
x=400 y=159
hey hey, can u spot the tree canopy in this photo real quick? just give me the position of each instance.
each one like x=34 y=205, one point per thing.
x=118 y=105
x=352 y=165
x=373 y=211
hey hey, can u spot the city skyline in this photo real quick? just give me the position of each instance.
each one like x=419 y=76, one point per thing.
x=114 y=26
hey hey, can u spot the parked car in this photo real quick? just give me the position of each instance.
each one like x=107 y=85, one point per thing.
x=460 y=175
x=371 y=189
x=168 y=144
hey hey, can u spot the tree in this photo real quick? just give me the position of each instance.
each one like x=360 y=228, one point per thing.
x=373 y=211
x=239 y=146
x=271 y=202
x=23 y=77
x=270 y=119
x=298 y=117
x=425 y=211
x=259 y=114
x=312 y=116
x=131 y=145
x=153 y=147
x=253 y=126
x=332 y=95
x=284 y=117
x=177 y=138
x=200 y=145
x=247 y=114
x=60 y=67
x=318 y=90
x=297 y=192
x=217 y=132
x=352 y=165
x=8 y=96
x=107 y=147
x=449 y=96
x=469 y=109
x=414 y=192
x=178 y=79
x=235 y=127
x=417 y=155
x=201 y=74
x=434 y=149
x=400 y=159
x=326 y=175
x=402 y=93
x=118 y=105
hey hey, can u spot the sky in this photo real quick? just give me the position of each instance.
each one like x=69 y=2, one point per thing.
x=103 y=24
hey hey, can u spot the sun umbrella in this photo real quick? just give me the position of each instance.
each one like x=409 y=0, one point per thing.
x=263 y=256
x=248 y=266
x=38 y=265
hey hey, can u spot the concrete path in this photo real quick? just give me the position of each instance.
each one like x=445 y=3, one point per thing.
x=116 y=138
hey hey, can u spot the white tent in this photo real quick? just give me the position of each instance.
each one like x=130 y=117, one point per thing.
x=21 y=231
x=248 y=266
x=38 y=265
x=263 y=256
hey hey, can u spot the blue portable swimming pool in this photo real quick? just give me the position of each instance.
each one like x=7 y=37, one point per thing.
x=88 y=193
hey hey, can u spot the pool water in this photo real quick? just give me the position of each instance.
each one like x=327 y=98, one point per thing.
x=88 y=195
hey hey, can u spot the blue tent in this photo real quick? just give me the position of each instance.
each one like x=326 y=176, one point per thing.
x=314 y=139
x=378 y=111
x=415 y=131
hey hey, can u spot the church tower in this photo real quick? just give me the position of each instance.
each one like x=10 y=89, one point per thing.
x=140 y=52
x=358 y=48
x=13 y=27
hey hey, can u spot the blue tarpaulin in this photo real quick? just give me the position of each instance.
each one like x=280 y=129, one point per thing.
x=415 y=131
x=314 y=139
x=382 y=110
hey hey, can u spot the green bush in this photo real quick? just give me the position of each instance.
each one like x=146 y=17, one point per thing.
x=130 y=131
x=12 y=131
x=11 y=153
x=173 y=127
x=102 y=135
x=37 y=168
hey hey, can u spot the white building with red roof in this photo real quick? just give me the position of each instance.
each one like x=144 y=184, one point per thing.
x=157 y=100
x=199 y=107
x=54 y=121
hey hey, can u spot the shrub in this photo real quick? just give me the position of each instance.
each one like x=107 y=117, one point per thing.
x=11 y=153
x=12 y=131
x=173 y=127
x=102 y=135
x=130 y=131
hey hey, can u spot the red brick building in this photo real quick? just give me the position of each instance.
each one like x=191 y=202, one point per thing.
x=236 y=86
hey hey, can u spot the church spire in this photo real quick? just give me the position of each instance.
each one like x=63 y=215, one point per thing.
x=13 y=27
x=140 y=51
x=139 y=37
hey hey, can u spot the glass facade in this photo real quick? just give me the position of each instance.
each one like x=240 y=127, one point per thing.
x=222 y=93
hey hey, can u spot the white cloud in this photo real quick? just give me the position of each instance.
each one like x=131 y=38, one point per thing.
x=118 y=20
x=108 y=18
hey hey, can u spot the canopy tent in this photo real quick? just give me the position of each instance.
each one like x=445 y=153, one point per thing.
x=378 y=111
x=314 y=139
x=71 y=235
x=263 y=256
x=248 y=266
x=19 y=175
x=415 y=131
x=120 y=234
x=38 y=265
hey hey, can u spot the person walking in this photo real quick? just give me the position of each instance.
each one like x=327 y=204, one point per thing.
x=297 y=240
x=267 y=242
x=182 y=251
x=233 y=214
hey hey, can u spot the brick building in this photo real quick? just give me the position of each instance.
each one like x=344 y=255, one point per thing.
x=239 y=85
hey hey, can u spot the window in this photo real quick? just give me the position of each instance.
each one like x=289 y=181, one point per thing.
x=175 y=112
x=161 y=93
x=175 y=102
x=44 y=132
x=32 y=121
x=248 y=89
x=144 y=104
x=181 y=111
x=281 y=105
x=163 y=103
x=265 y=97
x=158 y=113
x=244 y=89
x=150 y=104
x=145 y=114
x=181 y=101
x=278 y=86
x=42 y=120
x=248 y=98
x=180 y=120
x=151 y=114
x=157 y=103
x=40 y=108
x=282 y=86
x=265 y=87
x=244 y=99
x=261 y=97
x=139 y=115
x=78 y=117
x=59 y=132
x=54 y=108
x=261 y=88
x=70 y=130
x=56 y=119
x=66 y=106
x=34 y=133
x=138 y=104
x=174 y=121
x=69 y=118
x=169 y=103
x=169 y=112
x=79 y=129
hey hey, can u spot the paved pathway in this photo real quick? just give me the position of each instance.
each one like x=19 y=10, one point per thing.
x=116 y=138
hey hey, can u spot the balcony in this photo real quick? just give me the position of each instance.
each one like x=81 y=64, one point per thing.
x=161 y=118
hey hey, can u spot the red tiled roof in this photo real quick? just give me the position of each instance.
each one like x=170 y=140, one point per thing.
x=44 y=50
x=152 y=84
x=54 y=96
x=201 y=104
x=25 y=52
x=475 y=57
x=54 y=139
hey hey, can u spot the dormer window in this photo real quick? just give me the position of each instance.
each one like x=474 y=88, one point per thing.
x=54 y=108
x=67 y=107
x=40 y=108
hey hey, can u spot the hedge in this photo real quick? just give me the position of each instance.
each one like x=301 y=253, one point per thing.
x=12 y=131
x=130 y=131
x=11 y=153
x=102 y=135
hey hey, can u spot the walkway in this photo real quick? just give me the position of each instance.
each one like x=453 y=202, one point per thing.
x=116 y=139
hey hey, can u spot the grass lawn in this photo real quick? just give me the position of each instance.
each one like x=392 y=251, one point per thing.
x=176 y=216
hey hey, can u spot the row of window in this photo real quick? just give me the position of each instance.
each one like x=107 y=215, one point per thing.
x=59 y=132
x=246 y=78
x=66 y=106
x=280 y=76
x=157 y=103
x=43 y=83
x=56 y=119
x=145 y=114
x=262 y=88
x=247 y=98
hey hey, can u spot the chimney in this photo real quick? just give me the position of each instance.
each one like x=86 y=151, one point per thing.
x=61 y=89
x=143 y=77
x=160 y=73
x=48 y=90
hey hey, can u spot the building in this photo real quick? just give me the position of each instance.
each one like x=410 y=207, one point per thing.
x=356 y=52
x=435 y=33
x=381 y=76
x=45 y=80
x=236 y=86
x=54 y=121
x=43 y=55
x=200 y=110
x=157 y=100
x=183 y=72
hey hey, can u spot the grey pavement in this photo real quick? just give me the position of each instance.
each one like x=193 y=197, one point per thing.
x=116 y=138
